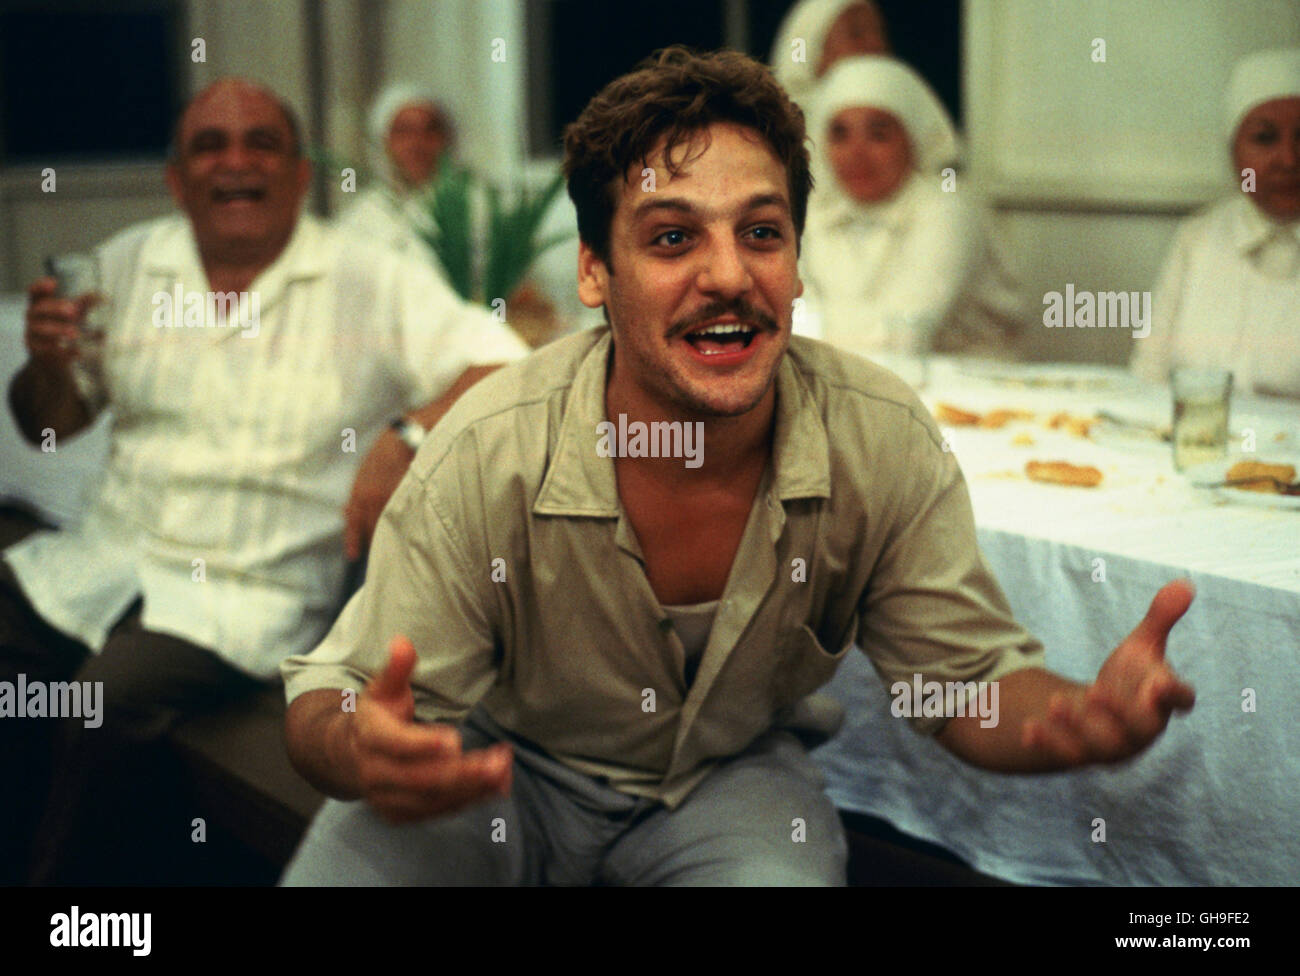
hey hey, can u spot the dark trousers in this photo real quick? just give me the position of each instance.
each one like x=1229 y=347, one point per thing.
x=97 y=805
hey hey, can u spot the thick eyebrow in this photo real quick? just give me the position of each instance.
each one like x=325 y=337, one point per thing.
x=679 y=205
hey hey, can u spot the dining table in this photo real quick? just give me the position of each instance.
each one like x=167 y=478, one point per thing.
x=1215 y=800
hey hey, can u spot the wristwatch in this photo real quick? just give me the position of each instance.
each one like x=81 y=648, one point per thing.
x=408 y=432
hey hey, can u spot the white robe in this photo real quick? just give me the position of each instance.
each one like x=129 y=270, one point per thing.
x=382 y=217
x=909 y=275
x=1229 y=296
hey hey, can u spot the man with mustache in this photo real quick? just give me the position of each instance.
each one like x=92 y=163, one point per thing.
x=569 y=668
x=213 y=547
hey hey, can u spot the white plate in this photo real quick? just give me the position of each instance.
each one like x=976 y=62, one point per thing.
x=1048 y=376
x=1216 y=471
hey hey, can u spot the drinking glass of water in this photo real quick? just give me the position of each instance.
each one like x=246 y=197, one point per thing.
x=1201 y=401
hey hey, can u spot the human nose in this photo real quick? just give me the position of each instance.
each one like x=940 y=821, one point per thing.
x=235 y=156
x=725 y=271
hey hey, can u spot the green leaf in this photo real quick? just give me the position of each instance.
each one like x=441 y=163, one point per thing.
x=447 y=203
x=510 y=247
x=513 y=246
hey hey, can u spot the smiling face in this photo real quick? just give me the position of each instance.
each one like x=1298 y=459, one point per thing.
x=238 y=174
x=702 y=277
x=1268 y=141
x=869 y=151
x=416 y=139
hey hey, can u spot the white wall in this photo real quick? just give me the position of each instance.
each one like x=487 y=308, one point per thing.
x=89 y=203
x=1092 y=164
x=1089 y=165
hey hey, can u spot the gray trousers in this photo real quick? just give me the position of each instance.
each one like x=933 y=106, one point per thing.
x=762 y=818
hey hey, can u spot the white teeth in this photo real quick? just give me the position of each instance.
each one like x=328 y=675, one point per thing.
x=724 y=329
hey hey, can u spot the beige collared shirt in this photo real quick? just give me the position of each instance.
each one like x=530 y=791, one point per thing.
x=506 y=556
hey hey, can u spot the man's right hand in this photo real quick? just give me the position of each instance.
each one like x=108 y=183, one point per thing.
x=409 y=771
x=43 y=394
x=53 y=324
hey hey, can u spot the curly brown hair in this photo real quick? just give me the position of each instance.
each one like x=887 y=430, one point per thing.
x=676 y=93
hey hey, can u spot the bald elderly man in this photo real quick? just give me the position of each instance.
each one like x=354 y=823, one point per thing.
x=269 y=386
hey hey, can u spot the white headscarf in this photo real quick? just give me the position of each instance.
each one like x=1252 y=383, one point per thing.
x=392 y=100
x=1259 y=78
x=807 y=21
x=882 y=82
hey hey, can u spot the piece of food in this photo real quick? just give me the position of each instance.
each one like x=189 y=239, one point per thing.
x=947 y=414
x=1063 y=473
x=1023 y=440
x=999 y=418
x=1078 y=426
x=1242 y=470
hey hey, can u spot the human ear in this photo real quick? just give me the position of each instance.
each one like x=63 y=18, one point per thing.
x=593 y=277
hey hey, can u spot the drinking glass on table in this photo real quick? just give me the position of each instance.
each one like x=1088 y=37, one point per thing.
x=1202 y=398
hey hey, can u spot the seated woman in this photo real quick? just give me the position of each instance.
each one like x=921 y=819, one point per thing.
x=896 y=258
x=815 y=34
x=409 y=131
x=1229 y=292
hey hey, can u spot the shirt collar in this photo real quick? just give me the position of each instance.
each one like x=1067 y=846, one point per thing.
x=1252 y=229
x=175 y=254
x=581 y=482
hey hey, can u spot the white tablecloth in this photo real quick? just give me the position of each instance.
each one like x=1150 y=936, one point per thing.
x=1217 y=799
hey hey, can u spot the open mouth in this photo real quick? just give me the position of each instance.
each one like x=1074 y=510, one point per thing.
x=723 y=338
x=230 y=195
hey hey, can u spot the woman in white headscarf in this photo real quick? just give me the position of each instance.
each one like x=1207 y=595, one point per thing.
x=409 y=131
x=896 y=258
x=1229 y=293
x=816 y=34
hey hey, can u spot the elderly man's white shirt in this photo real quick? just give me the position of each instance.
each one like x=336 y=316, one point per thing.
x=233 y=451
x=1229 y=296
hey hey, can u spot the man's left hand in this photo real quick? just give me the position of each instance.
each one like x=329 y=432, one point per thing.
x=380 y=472
x=1131 y=701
